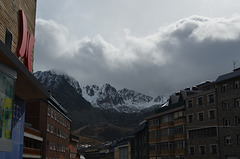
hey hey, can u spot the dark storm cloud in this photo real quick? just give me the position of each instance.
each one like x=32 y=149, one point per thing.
x=179 y=55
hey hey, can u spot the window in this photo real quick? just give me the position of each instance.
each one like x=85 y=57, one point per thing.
x=55 y=115
x=190 y=103
x=200 y=116
x=237 y=103
x=51 y=129
x=200 y=101
x=50 y=143
x=47 y=144
x=202 y=133
x=191 y=150
x=54 y=146
x=225 y=104
x=238 y=120
x=48 y=111
x=236 y=85
x=202 y=150
x=55 y=130
x=190 y=118
x=212 y=114
x=226 y=122
x=238 y=139
x=178 y=115
x=228 y=140
x=224 y=87
x=213 y=149
x=52 y=114
x=180 y=144
x=211 y=98
x=47 y=127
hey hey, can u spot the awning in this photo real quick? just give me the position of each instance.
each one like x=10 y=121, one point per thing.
x=28 y=88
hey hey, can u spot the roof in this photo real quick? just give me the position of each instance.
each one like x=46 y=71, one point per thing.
x=227 y=76
x=140 y=128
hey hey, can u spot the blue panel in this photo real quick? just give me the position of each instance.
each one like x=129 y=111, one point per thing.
x=17 y=131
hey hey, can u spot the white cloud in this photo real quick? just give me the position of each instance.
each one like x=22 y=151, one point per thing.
x=178 y=55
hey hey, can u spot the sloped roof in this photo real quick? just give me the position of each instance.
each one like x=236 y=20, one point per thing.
x=227 y=76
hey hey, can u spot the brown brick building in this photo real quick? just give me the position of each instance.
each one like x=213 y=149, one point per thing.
x=202 y=123
x=51 y=119
x=228 y=105
x=167 y=129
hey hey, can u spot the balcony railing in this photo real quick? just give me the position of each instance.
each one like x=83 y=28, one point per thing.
x=31 y=151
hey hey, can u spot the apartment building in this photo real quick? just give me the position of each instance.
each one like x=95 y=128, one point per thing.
x=32 y=142
x=141 y=140
x=167 y=129
x=51 y=119
x=202 y=122
x=228 y=106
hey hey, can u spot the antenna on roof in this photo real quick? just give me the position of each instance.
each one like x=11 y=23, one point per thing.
x=234 y=64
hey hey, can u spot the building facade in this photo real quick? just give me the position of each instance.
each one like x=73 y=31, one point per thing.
x=17 y=84
x=51 y=119
x=228 y=105
x=32 y=142
x=202 y=122
x=141 y=138
x=167 y=130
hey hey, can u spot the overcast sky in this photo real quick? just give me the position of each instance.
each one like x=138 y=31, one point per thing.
x=152 y=46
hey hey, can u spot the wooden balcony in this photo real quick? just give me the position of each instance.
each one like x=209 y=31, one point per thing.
x=167 y=152
x=154 y=127
x=180 y=136
x=182 y=151
x=31 y=152
x=180 y=121
x=154 y=153
x=166 y=125
x=167 y=138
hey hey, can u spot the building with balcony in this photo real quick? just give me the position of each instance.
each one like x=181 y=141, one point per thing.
x=50 y=118
x=167 y=129
x=32 y=142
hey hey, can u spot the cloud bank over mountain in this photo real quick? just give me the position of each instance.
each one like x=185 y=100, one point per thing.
x=178 y=55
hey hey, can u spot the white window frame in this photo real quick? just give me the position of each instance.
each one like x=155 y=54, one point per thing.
x=211 y=148
x=194 y=151
x=188 y=118
x=214 y=114
x=47 y=127
x=49 y=111
x=236 y=83
x=198 y=116
x=237 y=102
x=225 y=86
x=198 y=101
x=238 y=117
x=228 y=138
x=225 y=104
x=51 y=129
x=228 y=122
x=190 y=100
x=199 y=147
x=208 y=98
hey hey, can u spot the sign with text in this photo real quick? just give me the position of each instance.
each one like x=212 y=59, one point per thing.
x=26 y=43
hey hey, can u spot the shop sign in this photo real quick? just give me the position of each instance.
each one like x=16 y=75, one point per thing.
x=27 y=41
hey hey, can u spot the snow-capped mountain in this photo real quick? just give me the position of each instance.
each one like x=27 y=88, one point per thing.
x=103 y=96
x=51 y=79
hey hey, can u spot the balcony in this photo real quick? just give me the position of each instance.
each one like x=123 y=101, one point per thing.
x=180 y=121
x=31 y=153
x=154 y=153
x=166 y=125
x=154 y=127
x=180 y=136
x=167 y=138
x=182 y=151
x=167 y=152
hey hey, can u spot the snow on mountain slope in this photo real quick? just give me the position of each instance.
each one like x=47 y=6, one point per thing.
x=103 y=96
